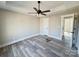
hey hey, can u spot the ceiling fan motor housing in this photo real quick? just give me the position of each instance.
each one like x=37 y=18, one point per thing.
x=39 y=11
x=38 y=1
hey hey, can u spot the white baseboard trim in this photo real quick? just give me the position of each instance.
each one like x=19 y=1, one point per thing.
x=54 y=37
x=9 y=43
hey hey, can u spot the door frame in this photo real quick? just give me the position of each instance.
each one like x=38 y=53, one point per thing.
x=62 y=23
x=75 y=17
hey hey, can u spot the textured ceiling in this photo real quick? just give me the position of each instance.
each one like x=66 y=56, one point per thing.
x=30 y=4
x=27 y=6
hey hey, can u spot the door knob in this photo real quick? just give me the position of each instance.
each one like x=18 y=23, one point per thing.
x=72 y=32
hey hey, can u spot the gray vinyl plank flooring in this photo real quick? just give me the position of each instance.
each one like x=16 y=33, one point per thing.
x=35 y=47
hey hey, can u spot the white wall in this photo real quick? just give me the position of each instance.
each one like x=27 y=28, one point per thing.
x=44 y=26
x=14 y=26
x=55 y=26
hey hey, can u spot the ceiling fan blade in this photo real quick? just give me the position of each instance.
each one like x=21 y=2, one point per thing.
x=35 y=9
x=43 y=14
x=45 y=11
x=32 y=13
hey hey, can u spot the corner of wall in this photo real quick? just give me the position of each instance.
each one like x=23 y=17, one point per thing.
x=55 y=37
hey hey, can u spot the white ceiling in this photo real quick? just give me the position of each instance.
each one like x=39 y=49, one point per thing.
x=27 y=6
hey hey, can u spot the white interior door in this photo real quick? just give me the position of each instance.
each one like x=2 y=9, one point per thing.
x=68 y=33
x=44 y=26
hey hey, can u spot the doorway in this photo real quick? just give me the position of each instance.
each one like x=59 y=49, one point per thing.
x=69 y=26
x=69 y=30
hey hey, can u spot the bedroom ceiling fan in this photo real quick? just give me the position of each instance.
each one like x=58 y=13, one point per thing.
x=39 y=11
